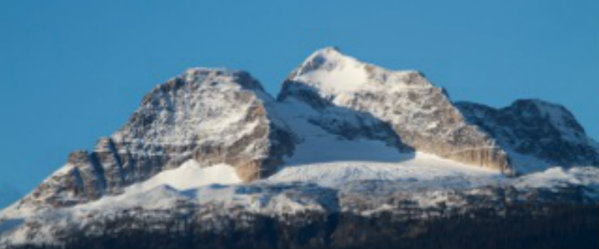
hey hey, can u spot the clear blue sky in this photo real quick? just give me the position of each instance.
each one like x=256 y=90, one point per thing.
x=72 y=71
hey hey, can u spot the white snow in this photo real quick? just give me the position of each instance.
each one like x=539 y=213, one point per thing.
x=160 y=197
x=558 y=117
x=277 y=196
x=209 y=107
x=318 y=145
x=259 y=198
x=162 y=190
x=329 y=160
x=190 y=175
x=341 y=73
x=419 y=166
x=559 y=177
x=339 y=76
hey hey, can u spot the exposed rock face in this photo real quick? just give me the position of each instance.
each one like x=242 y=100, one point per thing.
x=213 y=116
x=537 y=128
x=420 y=114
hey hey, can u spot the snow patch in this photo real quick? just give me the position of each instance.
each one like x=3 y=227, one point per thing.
x=341 y=73
x=190 y=175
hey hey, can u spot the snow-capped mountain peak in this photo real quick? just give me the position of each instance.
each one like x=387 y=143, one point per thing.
x=213 y=115
x=222 y=116
x=210 y=154
x=333 y=72
x=421 y=114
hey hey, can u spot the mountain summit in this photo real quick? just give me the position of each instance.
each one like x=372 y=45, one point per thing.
x=418 y=112
x=210 y=153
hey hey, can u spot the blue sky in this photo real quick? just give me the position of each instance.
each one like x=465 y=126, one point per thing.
x=72 y=71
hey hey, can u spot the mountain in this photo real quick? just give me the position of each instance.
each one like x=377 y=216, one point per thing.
x=210 y=159
x=214 y=115
x=418 y=112
x=425 y=119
